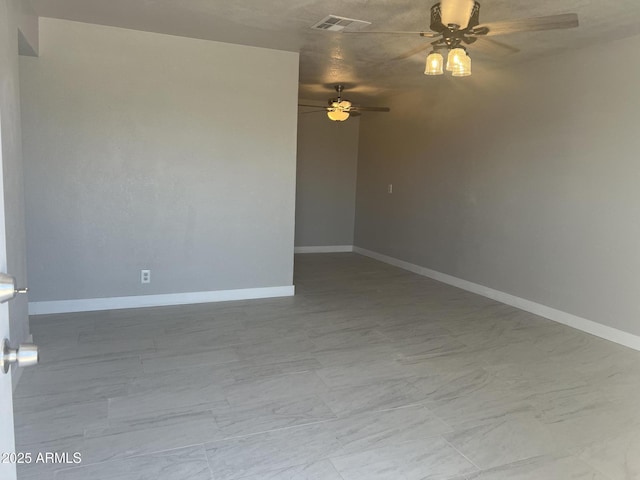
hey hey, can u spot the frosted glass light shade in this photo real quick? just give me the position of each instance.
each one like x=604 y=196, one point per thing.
x=456 y=12
x=337 y=115
x=435 y=64
x=339 y=110
x=464 y=68
x=456 y=56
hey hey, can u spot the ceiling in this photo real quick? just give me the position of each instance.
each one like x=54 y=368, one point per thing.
x=362 y=62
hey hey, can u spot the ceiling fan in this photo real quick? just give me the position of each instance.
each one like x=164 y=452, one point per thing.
x=456 y=23
x=339 y=109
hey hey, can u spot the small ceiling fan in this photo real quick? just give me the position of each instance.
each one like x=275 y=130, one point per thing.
x=455 y=23
x=339 y=109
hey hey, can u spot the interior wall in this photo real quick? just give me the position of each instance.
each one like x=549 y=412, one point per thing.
x=326 y=180
x=524 y=180
x=150 y=151
x=12 y=168
x=28 y=30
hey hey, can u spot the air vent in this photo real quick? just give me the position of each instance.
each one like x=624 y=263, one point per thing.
x=333 y=23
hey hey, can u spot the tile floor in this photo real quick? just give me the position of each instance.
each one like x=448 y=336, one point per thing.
x=369 y=373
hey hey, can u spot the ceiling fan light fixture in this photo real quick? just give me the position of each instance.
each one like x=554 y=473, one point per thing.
x=435 y=64
x=338 y=115
x=455 y=58
x=464 y=68
x=339 y=110
x=456 y=12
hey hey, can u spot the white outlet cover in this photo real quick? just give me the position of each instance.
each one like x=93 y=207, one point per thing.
x=145 y=276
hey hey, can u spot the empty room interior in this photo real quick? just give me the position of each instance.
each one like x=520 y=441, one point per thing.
x=319 y=240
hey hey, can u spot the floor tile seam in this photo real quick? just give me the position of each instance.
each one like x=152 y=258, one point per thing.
x=175 y=370
x=409 y=441
x=391 y=377
x=188 y=410
x=209 y=466
x=338 y=419
x=503 y=465
x=451 y=427
x=461 y=454
x=487 y=346
x=264 y=432
x=402 y=443
x=342 y=416
x=197 y=350
x=376 y=410
x=240 y=380
x=239 y=406
x=423 y=404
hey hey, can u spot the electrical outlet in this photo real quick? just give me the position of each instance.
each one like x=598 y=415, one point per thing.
x=145 y=276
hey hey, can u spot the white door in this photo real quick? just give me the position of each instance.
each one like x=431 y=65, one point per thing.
x=7 y=443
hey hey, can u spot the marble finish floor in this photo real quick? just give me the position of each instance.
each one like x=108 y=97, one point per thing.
x=368 y=373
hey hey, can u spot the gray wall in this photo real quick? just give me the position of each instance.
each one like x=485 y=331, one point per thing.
x=149 y=151
x=12 y=164
x=326 y=185
x=525 y=180
x=28 y=29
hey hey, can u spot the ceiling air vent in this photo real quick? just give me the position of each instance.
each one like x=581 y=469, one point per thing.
x=333 y=23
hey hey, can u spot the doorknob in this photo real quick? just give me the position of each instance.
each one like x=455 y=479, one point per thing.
x=8 y=289
x=25 y=355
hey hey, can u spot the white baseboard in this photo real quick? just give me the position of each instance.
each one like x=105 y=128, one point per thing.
x=325 y=249
x=139 y=301
x=594 y=328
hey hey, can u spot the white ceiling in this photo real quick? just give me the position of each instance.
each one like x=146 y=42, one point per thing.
x=362 y=62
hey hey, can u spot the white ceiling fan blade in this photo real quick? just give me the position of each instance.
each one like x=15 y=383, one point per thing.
x=390 y=32
x=412 y=52
x=552 y=22
x=311 y=106
x=493 y=47
x=345 y=106
x=357 y=108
